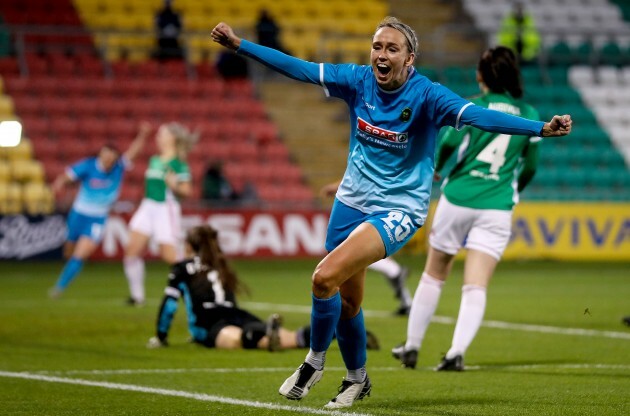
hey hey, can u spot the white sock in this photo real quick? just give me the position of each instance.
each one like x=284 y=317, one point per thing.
x=134 y=270
x=425 y=301
x=469 y=319
x=356 y=376
x=316 y=359
x=386 y=266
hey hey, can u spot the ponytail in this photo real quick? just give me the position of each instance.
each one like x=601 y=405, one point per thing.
x=205 y=243
x=499 y=70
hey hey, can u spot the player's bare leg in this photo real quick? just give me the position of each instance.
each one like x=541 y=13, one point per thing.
x=346 y=263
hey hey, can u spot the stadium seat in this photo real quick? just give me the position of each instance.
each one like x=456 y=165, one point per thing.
x=37 y=198
x=11 y=199
x=27 y=171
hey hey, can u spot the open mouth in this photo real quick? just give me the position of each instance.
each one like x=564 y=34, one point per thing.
x=383 y=69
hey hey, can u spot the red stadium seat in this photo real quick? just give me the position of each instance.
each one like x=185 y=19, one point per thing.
x=9 y=67
x=64 y=127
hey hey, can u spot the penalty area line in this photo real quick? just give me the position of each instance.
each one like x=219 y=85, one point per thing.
x=176 y=393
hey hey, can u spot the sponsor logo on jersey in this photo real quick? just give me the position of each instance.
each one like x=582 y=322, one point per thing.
x=97 y=183
x=373 y=131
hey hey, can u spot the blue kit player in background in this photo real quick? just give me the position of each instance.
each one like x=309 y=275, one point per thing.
x=100 y=179
x=383 y=198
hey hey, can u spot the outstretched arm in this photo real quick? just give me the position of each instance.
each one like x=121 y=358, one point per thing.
x=498 y=122
x=138 y=143
x=285 y=64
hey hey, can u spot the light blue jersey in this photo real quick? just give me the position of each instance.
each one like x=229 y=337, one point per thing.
x=392 y=139
x=393 y=136
x=99 y=189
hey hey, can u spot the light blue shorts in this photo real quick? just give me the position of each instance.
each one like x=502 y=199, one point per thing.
x=80 y=225
x=395 y=227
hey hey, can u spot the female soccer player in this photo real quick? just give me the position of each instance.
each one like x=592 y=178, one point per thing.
x=208 y=286
x=383 y=198
x=167 y=178
x=475 y=210
x=101 y=178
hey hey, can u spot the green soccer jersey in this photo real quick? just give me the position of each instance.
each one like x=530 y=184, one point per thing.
x=155 y=185
x=491 y=168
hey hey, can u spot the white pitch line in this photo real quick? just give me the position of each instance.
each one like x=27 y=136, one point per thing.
x=446 y=320
x=130 y=371
x=176 y=393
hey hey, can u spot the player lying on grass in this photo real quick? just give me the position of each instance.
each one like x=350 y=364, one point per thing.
x=475 y=210
x=208 y=286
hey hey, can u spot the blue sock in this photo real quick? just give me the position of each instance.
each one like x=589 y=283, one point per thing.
x=69 y=272
x=352 y=341
x=324 y=317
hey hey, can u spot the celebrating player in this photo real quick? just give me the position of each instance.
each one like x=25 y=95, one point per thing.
x=475 y=210
x=384 y=194
x=167 y=178
x=395 y=274
x=208 y=286
x=101 y=178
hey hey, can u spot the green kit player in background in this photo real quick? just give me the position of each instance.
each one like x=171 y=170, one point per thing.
x=475 y=209
x=167 y=179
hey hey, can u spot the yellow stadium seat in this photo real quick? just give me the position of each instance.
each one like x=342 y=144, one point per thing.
x=37 y=199
x=5 y=174
x=11 y=199
x=27 y=171
x=23 y=151
x=6 y=105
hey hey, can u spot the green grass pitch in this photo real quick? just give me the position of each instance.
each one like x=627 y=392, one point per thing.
x=85 y=353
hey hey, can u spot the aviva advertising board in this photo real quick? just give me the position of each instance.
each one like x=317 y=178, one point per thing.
x=563 y=231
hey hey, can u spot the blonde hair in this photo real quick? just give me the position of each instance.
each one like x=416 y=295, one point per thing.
x=405 y=29
x=185 y=139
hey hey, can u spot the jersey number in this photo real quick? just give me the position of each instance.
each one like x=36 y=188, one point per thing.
x=494 y=152
x=400 y=223
x=217 y=287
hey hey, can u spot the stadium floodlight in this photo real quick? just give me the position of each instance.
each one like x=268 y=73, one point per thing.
x=10 y=133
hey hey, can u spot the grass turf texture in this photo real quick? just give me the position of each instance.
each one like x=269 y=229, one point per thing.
x=512 y=371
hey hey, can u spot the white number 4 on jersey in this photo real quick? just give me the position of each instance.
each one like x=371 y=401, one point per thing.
x=494 y=152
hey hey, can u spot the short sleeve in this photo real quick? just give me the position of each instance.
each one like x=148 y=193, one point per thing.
x=448 y=107
x=183 y=171
x=80 y=170
x=339 y=80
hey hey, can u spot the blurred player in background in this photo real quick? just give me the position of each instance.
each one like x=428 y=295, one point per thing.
x=166 y=180
x=101 y=178
x=475 y=210
x=384 y=195
x=208 y=286
x=395 y=274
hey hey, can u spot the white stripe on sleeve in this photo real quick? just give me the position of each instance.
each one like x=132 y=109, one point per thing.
x=321 y=79
x=459 y=115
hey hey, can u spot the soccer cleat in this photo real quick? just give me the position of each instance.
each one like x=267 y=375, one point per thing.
x=451 y=364
x=349 y=392
x=626 y=320
x=398 y=282
x=408 y=358
x=134 y=302
x=298 y=385
x=274 y=322
x=403 y=310
x=372 y=341
x=54 y=292
x=401 y=291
